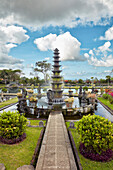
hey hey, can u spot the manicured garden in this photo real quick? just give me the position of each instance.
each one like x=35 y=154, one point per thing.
x=91 y=138
x=106 y=102
x=12 y=127
x=107 y=98
x=14 y=156
x=8 y=102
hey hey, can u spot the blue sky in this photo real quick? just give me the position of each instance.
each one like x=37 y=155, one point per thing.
x=82 y=31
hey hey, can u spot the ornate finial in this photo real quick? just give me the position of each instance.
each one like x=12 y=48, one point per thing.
x=56 y=49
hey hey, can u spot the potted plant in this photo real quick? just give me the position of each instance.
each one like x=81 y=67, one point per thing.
x=19 y=95
x=30 y=92
x=69 y=102
x=32 y=101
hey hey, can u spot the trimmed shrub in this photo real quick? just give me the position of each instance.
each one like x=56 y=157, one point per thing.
x=105 y=96
x=105 y=155
x=12 y=124
x=4 y=90
x=96 y=133
x=85 y=88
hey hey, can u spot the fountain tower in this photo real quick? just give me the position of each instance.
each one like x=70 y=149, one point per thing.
x=57 y=79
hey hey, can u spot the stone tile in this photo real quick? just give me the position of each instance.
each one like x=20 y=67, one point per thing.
x=62 y=161
x=50 y=148
x=53 y=168
x=61 y=148
x=49 y=160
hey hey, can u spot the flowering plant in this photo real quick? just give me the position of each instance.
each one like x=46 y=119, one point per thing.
x=107 y=90
x=30 y=91
x=19 y=94
x=33 y=99
x=111 y=94
x=93 y=96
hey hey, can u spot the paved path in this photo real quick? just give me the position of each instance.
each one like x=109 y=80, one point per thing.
x=56 y=152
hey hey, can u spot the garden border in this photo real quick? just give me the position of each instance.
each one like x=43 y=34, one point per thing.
x=75 y=152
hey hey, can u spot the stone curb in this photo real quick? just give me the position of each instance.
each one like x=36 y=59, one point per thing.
x=26 y=167
x=106 y=107
x=75 y=152
x=5 y=107
x=37 y=149
x=2 y=167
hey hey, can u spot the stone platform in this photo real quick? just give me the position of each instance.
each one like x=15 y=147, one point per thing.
x=56 y=152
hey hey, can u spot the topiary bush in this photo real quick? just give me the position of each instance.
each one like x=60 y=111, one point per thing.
x=12 y=125
x=85 y=88
x=96 y=135
x=4 y=90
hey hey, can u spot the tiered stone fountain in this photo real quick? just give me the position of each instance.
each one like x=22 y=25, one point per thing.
x=57 y=79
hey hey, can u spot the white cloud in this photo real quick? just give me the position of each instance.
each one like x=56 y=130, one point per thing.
x=65 y=67
x=107 y=62
x=91 y=52
x=33 y=13
x=108 y=34
x=13 y=34
x=47 y=58
x=101 y=56
x=69 y=46
x=10 y=37
x=86 y=55
x=107 y=71
x=105 y=47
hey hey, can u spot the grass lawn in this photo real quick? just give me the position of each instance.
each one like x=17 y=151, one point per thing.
x=14 y=156
x=86 y=163
x=106 y=102
x=14 y=100
x=36 y=122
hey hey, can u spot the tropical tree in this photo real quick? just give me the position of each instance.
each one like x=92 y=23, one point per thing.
x=43 y=67
x=10 y=75
x=80 y=81
x=108 y=79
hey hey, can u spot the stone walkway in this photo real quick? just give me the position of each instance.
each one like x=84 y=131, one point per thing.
x=56 y=152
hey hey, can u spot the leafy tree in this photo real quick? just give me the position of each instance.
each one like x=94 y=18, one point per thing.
x=10 y=75
x=43 y=67
x=80 y=81
x=108 y=79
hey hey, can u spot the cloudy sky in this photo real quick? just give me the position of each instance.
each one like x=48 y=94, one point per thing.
x=82 y=31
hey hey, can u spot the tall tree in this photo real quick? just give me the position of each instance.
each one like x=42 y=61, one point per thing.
x=108 y=79
x=43 y=67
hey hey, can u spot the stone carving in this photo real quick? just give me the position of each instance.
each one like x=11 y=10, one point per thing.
x=41 y=124
x=2 y=167
x=72 y=125
x=50 y=96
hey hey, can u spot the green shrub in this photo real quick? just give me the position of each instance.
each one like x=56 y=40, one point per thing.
x=12 y=124
x=105 y=96
x=19 y=90
x=96 y=132
x=110 y=98
x=85 y=88
x=4 y=90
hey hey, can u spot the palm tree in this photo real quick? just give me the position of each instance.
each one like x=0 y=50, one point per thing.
x=108 y=79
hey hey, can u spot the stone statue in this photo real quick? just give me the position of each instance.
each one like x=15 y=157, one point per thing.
x=50 y=96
